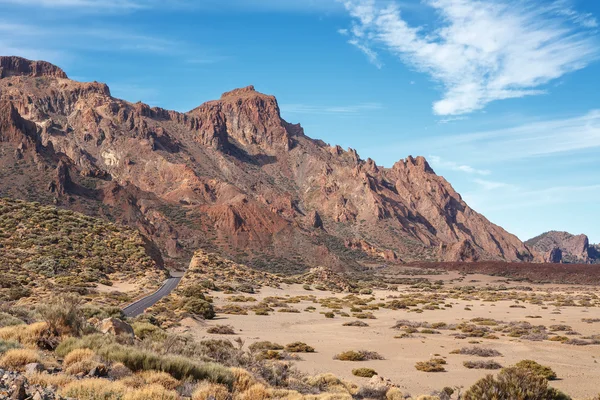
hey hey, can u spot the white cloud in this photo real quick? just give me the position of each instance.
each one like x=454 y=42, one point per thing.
x=537 y=139
x=340 y=110
x=492 y=185
x=484 y=50
x=514 y=197
x=438 y=162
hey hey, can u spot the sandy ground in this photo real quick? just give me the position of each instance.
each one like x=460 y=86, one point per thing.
x=123 y=287
x=577 y=367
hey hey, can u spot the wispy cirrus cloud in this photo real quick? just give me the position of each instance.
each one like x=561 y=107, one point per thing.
x=339 y=110
x=502 y=196
x=482 y=51
x=438 y=162
x=536 y=139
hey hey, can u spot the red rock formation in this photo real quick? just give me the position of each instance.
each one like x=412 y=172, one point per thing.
x=18 y=66
x=563 y=247
x=230 y=175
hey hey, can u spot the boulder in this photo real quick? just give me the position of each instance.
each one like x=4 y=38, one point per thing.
x=33 y=368
x=116 y=327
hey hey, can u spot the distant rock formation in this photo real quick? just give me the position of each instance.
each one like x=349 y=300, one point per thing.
x=563 y=247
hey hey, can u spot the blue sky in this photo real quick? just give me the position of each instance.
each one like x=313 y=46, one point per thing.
x=502 y=96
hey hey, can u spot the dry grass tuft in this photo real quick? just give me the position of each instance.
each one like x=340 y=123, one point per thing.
x=45 y=379
x=151 y=392
x=27 y=335
x=211 y=391
x=78 y=355
x=16 y=359
x=256 y=392
x=94 y=389
x=159 y=378
x=242 y=380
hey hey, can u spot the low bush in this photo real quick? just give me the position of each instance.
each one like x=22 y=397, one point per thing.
x=145 y=330
x=137 y=359
x=6 y=345
x=266 y=345
x=200 y=308
x=361 y=355
x=482 y=364
x=477 y=351
x=433 y=365
x=221 y=330
x=355 y=323
x=299 y=347
x=63 y=315
x=537 y=369
x=364 y=372
x=513 y=383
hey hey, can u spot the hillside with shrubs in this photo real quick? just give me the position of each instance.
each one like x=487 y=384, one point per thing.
x=47 y=250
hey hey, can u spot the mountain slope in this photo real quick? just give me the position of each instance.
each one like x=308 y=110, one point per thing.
x=48 y=250
x=229 y=176
x=563 y=247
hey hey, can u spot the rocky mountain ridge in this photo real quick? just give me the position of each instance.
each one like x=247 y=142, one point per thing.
x=229 y=176
x=564 y=247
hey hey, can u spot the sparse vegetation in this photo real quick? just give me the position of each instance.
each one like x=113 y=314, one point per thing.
x=513 y=383
x=433 y=365
x=364 y=372
x=221 y=330
x=361 y=355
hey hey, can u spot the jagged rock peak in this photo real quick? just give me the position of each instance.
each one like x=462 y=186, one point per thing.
x=241 y=92
x=19 y=66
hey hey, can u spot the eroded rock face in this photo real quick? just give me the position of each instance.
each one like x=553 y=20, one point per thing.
x=18 y=66
x=230 y=175
x=563 y=247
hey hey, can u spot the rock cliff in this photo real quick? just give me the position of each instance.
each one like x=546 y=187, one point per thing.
x=229 y=176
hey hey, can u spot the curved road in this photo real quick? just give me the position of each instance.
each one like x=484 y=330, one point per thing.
x=137 y=308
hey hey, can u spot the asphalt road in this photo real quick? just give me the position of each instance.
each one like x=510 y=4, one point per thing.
x=137 y=308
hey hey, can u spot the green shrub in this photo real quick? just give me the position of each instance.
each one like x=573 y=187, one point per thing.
x=433 y=365
x=145 y=330
x=221 y=330
x=137 y=359
x=513 y=383
x=266 y=345
x=200 y=307
x=537 y=369
x=364 y=372
x=486 y=364
x=9 y=320
x=361 y=355
x=299 y=347
x=8 y=345
x=355 y=323
x=63 y=315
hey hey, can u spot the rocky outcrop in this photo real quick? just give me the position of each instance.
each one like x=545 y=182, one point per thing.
x=18 y=66
x=230 y=175
x=563 y=247
x=115 y=327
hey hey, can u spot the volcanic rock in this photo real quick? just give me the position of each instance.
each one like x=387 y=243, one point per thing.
x=230 y=175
